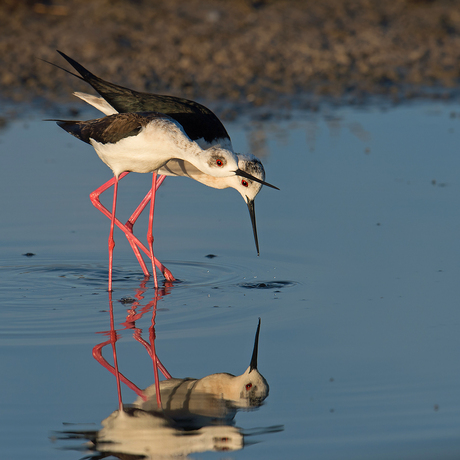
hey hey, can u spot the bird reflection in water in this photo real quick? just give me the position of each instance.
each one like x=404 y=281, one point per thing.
x=175 y=416
x=193 y=403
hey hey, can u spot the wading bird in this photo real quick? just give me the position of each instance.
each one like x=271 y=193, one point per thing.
x=199 y=123
x=144 y=142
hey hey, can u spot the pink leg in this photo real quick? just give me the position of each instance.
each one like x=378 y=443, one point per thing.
x=94 y=196
x=150 y=230
x=132 y=220
x=111 y=240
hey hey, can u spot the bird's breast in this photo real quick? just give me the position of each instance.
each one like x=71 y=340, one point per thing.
x=148 y=151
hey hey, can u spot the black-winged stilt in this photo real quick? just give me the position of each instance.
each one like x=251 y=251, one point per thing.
x=175 y=167
x=199 y=123
x=144 y=142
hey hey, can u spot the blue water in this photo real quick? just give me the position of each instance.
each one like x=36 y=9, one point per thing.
x=356 y=285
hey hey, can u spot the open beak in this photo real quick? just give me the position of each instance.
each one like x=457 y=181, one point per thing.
x=253 y=364
x=240 y=172
x=252 y=213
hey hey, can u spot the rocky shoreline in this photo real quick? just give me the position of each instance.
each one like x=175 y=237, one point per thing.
x=256 y=53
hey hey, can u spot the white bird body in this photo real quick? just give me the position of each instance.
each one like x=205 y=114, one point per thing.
x=134 y=153
x=179 y=167
x=144 y=142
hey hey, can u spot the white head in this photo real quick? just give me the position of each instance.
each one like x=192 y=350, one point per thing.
x=246 y=187
x=217 y=162
x=247 y=179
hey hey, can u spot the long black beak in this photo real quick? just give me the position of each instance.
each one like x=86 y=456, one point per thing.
x=252 y=213
x=240 y=172
x=253 y=364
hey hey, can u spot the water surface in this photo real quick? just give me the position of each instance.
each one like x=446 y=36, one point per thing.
x=356 y=285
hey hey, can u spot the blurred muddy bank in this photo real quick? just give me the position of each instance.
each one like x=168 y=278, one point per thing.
x=256 y=53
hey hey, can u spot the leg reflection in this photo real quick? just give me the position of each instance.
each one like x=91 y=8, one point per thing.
x=133 y=315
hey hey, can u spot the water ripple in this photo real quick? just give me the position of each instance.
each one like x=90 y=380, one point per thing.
x=59 y=302
x=267 y=284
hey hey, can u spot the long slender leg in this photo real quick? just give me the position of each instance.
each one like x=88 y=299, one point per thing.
x=94 y=196
x=150 y=230
x=135 y=215
x=132 y=220
x=111 y=240
x=138 y=255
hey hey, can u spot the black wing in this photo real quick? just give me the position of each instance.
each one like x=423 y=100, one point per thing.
x=108 y=130
x=196 y=119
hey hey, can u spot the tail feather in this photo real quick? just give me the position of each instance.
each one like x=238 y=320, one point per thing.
x=72 y=127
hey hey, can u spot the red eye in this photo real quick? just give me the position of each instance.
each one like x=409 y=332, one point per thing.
x=219 y=163
x=248 y=386
x=244 y=183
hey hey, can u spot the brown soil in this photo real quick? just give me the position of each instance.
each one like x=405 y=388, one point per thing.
x=261 y=52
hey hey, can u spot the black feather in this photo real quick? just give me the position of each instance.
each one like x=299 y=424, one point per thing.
x=196 y=119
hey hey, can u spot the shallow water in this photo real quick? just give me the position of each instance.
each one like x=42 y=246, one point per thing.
x=356 y=285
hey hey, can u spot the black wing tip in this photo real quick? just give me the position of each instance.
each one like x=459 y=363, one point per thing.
x=67 y=58
x=86 y=75
x=61 y=122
